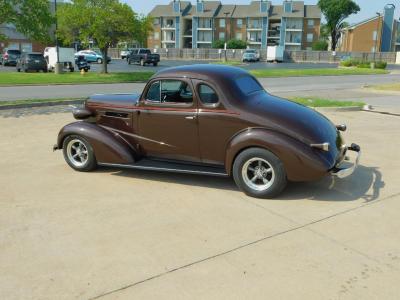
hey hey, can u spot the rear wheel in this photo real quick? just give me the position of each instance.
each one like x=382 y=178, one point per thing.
x=129 y=61
x=78 y=153
x=155 y=64
x=259 y=173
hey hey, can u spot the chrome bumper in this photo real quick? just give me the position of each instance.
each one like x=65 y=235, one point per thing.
x=344 y=172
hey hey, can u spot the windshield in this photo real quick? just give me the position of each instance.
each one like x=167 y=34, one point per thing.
x=14 y=52
x=35 y=56
x=248 y=85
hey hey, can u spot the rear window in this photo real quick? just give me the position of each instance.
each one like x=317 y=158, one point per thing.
x=14 y=52
x=35 y=56
x=248 y=85
x=145 y=51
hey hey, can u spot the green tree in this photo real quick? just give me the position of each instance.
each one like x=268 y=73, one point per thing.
x=335 y=12
x=30 y=17
x=320 y=45
x=236 y=44
x=144 y=26
x=106 y=22
x=218 y=44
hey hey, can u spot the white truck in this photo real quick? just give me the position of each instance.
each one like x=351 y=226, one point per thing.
x=66 y=56
x=275 y=53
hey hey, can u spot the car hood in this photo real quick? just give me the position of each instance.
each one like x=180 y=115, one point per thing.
x=114 y=100
x=293 y=119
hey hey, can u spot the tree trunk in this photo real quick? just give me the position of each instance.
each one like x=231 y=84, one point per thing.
x=104 y=51
x=333 y=40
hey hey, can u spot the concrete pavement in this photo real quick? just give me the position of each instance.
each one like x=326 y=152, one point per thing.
x=120 y=234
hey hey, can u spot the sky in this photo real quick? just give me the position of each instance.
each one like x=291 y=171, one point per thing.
x=368 y=7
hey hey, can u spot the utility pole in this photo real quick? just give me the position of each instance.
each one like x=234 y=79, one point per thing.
x=57 y=68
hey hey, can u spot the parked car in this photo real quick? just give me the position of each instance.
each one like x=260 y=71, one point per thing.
x=143 y=56
x=10 y=57
x=251 y=55
x=1 y=58
x=197 y=119
x=81 y=63
x=125 y=53
x=92 y=56
x=32 y=61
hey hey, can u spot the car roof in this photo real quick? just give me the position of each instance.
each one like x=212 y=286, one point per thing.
x=208 y=72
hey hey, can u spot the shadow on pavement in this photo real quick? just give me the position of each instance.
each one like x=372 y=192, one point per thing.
x=365 y=183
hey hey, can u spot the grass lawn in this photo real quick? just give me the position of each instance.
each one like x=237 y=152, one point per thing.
x=11 y=78
x=387 y=87
x=320 y=102
x=308 y=101
x=314 y=72
x=31 y=101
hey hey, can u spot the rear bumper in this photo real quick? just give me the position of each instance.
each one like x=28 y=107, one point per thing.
x=344 y=172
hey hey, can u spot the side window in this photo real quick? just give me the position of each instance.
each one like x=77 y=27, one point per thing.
x=153 y=93
x=176 y=91
x=207 y=94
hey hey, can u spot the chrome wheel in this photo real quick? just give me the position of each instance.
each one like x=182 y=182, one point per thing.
x=77 y=153
x=258 y=174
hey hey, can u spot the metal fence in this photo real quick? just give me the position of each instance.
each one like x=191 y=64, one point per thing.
x=289 y=56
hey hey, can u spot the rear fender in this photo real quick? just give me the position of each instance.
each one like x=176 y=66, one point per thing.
x=108 y=147
x=301 y=162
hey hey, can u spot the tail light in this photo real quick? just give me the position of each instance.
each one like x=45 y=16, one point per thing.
x=6 y=55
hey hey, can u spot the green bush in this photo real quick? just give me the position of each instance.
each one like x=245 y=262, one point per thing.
x=364 y=65
x=346 y=63
x=218 y=44
x=381 y=65
x=236 y=44
x=320 y=46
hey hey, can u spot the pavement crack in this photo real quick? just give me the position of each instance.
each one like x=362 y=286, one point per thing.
x=295 y=228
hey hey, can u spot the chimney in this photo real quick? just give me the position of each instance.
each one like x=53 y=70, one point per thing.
x=263 y=6
x=176 y=5
x=200 y=6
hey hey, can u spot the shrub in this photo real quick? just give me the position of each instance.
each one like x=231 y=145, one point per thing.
x=346 y=63
x=236 y=44
x=381 y=65
x=218 y=44
x=320 y=45
x=364 y=65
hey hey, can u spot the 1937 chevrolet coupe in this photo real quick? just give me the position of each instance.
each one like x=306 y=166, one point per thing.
x=212 y=120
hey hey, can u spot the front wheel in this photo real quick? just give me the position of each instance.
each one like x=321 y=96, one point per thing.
x=259 y=173
x=99 y=60
x=79 y=154
x=155 y=64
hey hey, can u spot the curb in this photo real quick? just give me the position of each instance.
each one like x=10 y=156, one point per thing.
x=338 y=109
x=41 y=104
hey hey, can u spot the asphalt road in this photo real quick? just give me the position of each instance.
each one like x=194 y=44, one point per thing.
x=332 y=87
x=124 y=234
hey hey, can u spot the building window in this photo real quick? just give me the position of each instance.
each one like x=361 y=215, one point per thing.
x=222 y=23
x=374 y=35
x=205 y=23
x=156 y=35
x=239 y=23
x=255 y=23
x=156 y=21
x=288 y=7
x=221 y=35
x=310 y=23
x=310 y=37
x=205 y=36
x=238 y=35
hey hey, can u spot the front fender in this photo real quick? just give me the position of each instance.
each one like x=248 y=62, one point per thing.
x=301 y=162
x=108 y=147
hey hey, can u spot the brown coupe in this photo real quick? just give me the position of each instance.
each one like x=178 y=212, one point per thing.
x=212 y=120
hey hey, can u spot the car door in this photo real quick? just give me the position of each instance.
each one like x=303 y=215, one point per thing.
x=167 y=120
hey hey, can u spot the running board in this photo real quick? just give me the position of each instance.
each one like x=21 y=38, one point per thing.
x=164 y=166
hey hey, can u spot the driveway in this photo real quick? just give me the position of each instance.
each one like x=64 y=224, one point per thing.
x=124 y=234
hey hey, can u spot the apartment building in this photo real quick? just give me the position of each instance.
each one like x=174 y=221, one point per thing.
x=380 y=33
x=181 y=24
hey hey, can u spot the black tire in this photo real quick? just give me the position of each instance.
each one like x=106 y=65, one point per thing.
x=99 y=61
x=72 y=69
x=155 y=64
x=18 y=70
x=271 y=175
x=88 y=162
x=129 y=61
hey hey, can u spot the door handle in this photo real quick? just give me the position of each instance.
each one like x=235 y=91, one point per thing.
x=190 y=117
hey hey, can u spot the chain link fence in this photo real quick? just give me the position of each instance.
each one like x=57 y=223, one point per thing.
x=289 y=56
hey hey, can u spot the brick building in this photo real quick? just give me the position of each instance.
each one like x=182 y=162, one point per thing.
x=181 y=24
